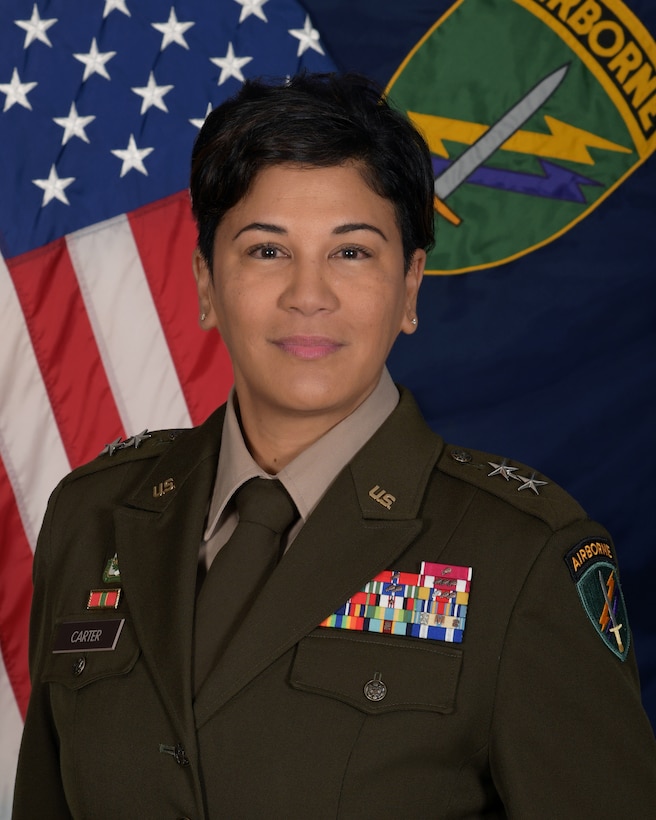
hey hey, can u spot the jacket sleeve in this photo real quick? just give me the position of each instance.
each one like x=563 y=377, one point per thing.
x=39 y=791
x=570 y=738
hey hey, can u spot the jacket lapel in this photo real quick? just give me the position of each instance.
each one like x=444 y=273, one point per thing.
x=157 y=539
x=366 y=520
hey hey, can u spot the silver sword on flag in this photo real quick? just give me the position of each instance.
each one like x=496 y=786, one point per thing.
x=478 y=152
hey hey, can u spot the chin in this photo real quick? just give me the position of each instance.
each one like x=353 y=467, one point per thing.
x=314 y=400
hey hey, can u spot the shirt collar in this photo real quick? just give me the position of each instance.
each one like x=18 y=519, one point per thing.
x=304 y=480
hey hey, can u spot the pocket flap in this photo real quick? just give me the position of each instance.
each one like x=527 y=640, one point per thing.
x=76 y=669
x=377 y=674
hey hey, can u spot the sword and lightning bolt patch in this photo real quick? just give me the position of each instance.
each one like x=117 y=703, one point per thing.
x=535 y=111
x=593 y=569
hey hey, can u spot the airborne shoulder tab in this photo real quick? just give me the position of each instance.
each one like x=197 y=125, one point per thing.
x=516 y=483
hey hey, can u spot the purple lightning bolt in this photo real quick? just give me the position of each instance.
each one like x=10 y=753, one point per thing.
x=555 y=183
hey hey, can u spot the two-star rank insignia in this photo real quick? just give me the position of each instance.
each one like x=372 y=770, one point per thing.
x=118 y=444
x=506 y=471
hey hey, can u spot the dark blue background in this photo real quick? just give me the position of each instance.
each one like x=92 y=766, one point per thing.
x=549 y=360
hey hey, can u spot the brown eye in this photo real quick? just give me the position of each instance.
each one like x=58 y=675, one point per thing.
x=264 y=252
x=353 y=252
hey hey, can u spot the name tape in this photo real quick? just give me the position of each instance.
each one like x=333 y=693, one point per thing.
x=88 y=636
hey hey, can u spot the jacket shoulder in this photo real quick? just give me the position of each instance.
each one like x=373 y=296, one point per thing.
x=140 y=447
x=517 y=484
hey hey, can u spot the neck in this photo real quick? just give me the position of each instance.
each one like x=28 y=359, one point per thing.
x=276 y=435
x=275 y=442
x=275 y=438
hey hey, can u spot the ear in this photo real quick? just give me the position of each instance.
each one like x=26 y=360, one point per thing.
x=203 y=277
x=412 y=283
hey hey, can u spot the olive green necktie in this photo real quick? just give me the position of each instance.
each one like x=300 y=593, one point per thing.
x=240 y=569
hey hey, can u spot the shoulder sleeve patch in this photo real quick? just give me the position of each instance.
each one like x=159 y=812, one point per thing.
x=593 y=568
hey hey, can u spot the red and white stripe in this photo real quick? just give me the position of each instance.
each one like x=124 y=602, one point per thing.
x=100 y=339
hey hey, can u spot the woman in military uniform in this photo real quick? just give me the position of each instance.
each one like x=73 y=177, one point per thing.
x=439 y=633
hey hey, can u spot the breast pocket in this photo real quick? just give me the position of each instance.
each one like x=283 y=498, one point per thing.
x=83 y=662
x=377 y=674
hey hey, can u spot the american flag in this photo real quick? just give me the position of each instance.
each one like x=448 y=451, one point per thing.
x=102 y=100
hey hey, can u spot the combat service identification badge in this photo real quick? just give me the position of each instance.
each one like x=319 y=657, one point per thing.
x=593 y=568
x=535 y=111
x=111 y=573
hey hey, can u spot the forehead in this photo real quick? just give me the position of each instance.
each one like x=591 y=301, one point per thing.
x=334 y=191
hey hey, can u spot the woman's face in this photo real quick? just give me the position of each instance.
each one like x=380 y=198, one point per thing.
x=308 y=291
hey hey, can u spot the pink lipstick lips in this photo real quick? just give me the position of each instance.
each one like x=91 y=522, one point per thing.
x=308 y=347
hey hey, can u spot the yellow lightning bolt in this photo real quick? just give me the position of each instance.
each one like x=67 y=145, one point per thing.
x=564 y=142
x=605 y=614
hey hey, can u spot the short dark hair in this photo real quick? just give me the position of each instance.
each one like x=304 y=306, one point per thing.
x=318 y=120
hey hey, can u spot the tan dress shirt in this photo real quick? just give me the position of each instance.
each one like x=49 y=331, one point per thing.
x=306 y=478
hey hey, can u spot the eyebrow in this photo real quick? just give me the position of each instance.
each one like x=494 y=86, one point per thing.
x=340 y=229
x=358 y=226
x=260 y=226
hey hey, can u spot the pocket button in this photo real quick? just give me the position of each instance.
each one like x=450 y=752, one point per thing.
x=78 y=666
x=375 y=689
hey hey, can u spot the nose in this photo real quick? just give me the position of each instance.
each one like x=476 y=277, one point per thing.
x=309 y=288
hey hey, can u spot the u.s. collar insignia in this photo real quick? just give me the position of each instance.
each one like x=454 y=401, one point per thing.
x=382 y=497
x=592 y=566
x=111 y=573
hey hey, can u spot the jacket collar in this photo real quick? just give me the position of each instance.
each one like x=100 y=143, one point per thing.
x=158 y=532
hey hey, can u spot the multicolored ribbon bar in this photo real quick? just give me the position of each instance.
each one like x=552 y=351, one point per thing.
x=431 y=604
x=446 y=571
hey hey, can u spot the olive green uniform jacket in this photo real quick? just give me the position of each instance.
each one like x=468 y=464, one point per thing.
x=531 y=716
